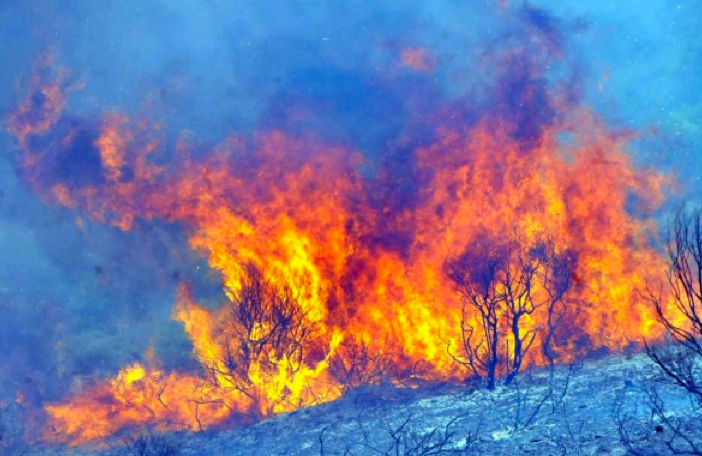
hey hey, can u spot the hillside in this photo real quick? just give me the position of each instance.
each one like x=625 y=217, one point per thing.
x=590 y=402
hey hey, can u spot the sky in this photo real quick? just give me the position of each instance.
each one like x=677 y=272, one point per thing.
x=82 y=299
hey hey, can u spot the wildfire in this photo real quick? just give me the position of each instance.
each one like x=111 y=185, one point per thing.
x=359 y=275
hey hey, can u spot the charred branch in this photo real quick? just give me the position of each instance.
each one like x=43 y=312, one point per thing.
x=679 y=310
x=477 y=283
x=500 y=286
x=265 y=329
x=358 y=364
x=147 y=442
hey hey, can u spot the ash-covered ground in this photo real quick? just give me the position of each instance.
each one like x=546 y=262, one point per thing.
x=598 y=407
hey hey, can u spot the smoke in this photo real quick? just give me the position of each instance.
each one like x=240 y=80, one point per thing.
x=81 y=299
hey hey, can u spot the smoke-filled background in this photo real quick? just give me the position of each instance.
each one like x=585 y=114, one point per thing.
x=80 y=299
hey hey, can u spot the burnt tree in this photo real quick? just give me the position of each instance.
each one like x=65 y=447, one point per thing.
x=680 y=309
x=556 y=280
x=518 y=284
x=477 y=283
x=677 y=303
x=501 y=284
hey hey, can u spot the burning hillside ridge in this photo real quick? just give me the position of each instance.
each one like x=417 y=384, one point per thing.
x=337 y=277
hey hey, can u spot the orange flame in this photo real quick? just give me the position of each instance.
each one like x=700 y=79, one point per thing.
x=299 y=210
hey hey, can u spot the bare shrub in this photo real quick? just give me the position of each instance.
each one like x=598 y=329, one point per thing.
x=439 y=440
x=477 y=283
x=556 y=279
x=147 y=442
x=500 y=283
x=357 y=364
x=681 y=313
x=532 y=401
x=648 y=428
x=403 y=439
x=678 y=308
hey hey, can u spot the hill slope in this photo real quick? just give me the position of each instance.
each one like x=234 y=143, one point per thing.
x=581 y=414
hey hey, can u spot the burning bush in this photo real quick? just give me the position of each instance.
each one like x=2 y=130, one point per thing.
x=263 y=334
x=360 y=363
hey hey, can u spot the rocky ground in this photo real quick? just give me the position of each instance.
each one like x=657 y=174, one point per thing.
x=599 y=407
